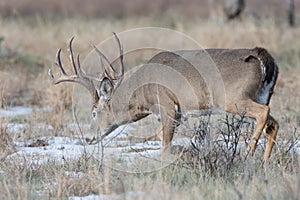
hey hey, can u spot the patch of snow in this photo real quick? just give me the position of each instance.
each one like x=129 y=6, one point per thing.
x=127 y=195
x=182 y=141
x=89 y=197
x=15 y=111
x=74 y=174
x=60 y=149
x=17 y=127
x=20 y=110
x=64 y=140
x=146 y=145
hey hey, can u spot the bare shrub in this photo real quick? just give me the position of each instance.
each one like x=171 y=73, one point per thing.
x=219 y=150
x=221 y=147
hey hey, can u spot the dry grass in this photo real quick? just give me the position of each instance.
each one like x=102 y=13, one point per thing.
x=60 y=181
x=39 y=39
x=6 y=142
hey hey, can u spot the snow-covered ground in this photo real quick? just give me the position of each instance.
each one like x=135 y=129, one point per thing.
x=123 y=144
x=113 y=147
x=118 y=153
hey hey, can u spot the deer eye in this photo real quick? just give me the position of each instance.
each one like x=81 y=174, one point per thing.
x=94 y=114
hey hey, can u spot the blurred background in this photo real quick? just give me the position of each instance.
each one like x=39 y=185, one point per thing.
x=134 y=8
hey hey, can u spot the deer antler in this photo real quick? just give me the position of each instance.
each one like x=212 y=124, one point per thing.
x=114 y=77
x=79 y=75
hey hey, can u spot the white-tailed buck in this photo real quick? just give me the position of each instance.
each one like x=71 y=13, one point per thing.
x=248 y=79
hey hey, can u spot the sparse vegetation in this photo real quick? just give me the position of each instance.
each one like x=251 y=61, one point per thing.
x=218 y=170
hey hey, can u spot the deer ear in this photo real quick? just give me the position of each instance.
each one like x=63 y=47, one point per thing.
x=105 y=89
x=249 y=58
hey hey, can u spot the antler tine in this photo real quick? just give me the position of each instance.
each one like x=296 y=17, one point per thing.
x=60 y=67
x=72 y=56
x=58 y=62
x=121 y=55
x=118 y=77
x=104 y=70
x=121 y=75
x=80 y=71
x=105 y=58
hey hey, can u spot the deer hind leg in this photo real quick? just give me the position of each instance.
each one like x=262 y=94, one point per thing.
x=260 y=113
x=169 y=120
x=271 y=128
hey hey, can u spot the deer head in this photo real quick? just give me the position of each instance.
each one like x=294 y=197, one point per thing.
x=100 y=89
